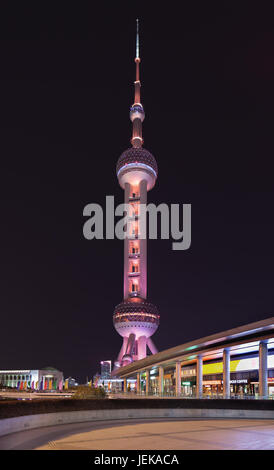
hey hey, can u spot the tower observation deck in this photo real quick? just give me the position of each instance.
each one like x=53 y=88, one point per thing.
x=135 y=318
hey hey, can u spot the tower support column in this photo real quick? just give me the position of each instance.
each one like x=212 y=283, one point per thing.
x=263 y=387
x=123 y=349
x=199 y=377
x=151 y=346
x=226 y=373
x=142 y=347
x=178 y=378
x=161 y=380
x=125 y=385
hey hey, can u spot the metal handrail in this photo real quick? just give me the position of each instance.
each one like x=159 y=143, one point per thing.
x=214 y=396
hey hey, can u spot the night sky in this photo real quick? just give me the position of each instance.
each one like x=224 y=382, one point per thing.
x=66 y=87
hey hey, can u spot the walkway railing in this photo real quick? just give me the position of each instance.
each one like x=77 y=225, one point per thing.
x=170 y=395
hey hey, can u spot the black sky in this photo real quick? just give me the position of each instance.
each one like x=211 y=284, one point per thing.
x=66 y=86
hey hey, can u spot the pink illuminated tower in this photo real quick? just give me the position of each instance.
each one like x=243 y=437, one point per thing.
x=136 y=319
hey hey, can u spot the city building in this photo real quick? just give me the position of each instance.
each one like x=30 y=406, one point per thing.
x=35 y=379
x=110 y=385
x=105 y=370
x=71 y=382
x=233 y=363
x=135 y=318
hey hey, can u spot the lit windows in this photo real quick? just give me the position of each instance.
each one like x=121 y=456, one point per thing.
x=134 y=268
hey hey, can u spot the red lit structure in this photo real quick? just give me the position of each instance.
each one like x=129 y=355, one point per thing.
x=136 y=319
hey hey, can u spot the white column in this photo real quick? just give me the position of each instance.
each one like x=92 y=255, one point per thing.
x=178 y=376
x=199 y=377
x=143 y=246
x=161 y=380
x=263 y=388
x=126 y=249
x=226 y=373
x=147 y=382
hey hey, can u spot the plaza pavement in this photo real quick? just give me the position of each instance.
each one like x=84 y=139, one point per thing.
x=218 y=434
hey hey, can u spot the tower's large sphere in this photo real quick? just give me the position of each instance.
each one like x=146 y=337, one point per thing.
x=135 y=165
x=138 y=317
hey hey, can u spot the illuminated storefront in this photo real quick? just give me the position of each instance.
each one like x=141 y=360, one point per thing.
x=244 y=377
x=232 y=363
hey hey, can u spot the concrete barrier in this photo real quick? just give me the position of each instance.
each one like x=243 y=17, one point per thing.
x=21 y=423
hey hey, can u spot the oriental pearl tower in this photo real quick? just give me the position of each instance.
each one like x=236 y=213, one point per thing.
x=135 y=318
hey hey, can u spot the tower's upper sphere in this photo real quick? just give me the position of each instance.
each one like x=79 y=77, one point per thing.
x=135 y=165
x=137 y=112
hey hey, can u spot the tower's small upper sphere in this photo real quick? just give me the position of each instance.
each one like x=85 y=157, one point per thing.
x=137 y=112
x=135 y=165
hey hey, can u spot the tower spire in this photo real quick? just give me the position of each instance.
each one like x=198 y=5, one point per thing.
x=137 y=114
x=137 y=83
x=137 y=39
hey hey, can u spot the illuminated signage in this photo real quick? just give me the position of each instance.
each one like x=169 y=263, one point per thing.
x=251 y=363
x=212 y=382
x=239 y=381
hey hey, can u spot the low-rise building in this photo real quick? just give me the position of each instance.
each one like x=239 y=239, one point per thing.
x=35 y=379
